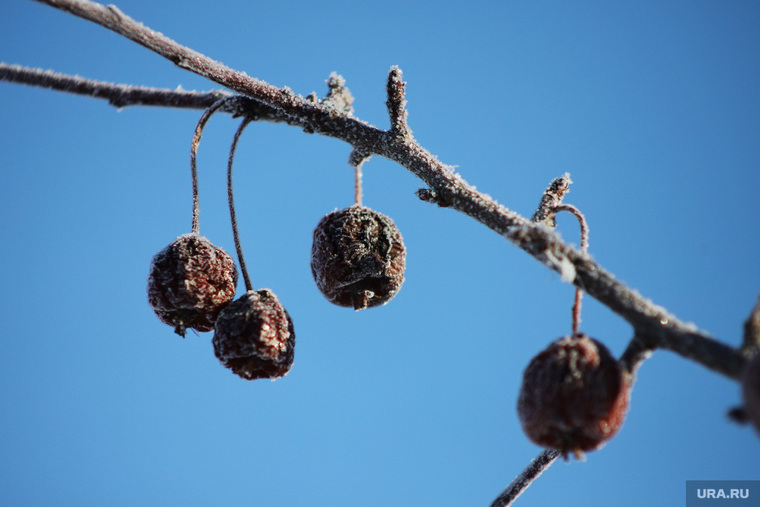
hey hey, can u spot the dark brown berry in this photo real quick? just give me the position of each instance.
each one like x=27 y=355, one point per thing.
x=358 y=257
x=574 y=396
x=751 y=390
x=254 y=336
x=190 y=281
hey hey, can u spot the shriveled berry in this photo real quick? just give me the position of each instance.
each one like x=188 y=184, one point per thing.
x=574 y=396
x=358 y=257
x=190 y=281
x=254 y=336
x=751 y=390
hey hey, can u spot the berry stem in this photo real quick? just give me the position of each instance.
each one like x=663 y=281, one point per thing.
x=358 y=184
x=584 y=248
x=356 y=160
x=231 y=202
x=193 y=159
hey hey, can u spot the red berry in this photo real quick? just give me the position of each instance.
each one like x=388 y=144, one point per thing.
x=358 y=257
x=574 y=396
x=189 y=283
x=254 y=336
x=751 y=390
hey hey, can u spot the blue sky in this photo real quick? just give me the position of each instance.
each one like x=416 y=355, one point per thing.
x=654 y=109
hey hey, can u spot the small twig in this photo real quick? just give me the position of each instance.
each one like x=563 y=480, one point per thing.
x=231 y=202
x=532 y=472
x=396 y=104
x=551 y=198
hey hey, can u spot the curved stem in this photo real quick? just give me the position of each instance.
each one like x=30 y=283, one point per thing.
x=584 y=248
x=193 y=156
x=231 y=202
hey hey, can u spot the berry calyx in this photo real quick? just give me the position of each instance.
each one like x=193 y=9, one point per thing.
x=358 y=257
x=574 y=396
x=254 y=336
x=190 y=281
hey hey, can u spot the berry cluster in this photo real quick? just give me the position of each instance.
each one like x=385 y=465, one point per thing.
x=358 y=260
x=192 y=285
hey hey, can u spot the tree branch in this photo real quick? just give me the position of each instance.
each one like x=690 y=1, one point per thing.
x=653 y=323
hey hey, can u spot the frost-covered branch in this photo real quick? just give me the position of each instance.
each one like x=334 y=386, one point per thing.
x=652 y=323
x=118 y=95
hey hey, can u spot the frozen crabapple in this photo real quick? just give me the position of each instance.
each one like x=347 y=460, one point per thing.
x=574 y=396
x=254 y=336
x=751 y=390
x=190 y=281
x=358 y=257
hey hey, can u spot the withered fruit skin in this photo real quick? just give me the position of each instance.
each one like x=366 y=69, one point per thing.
x=254 y=336
x=358 y=257
x=574 y=396
x=751 y=390
x=189 y=282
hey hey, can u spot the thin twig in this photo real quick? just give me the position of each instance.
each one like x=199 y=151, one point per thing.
x=396 y=103
x=231 y=202
x=532 y=472
x=551 y=198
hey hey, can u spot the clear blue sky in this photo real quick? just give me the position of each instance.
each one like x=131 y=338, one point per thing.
x=654 y=109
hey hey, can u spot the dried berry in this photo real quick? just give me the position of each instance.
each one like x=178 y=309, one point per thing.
x=358 y=257
x=751 y=390
x=190 y=281
x=254 y=336
x=574 y=396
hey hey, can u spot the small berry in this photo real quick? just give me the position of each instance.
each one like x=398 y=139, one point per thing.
x=189 y=283
x=574 y=396
x=254 y=336
x=358 y=257
x=751 y=389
